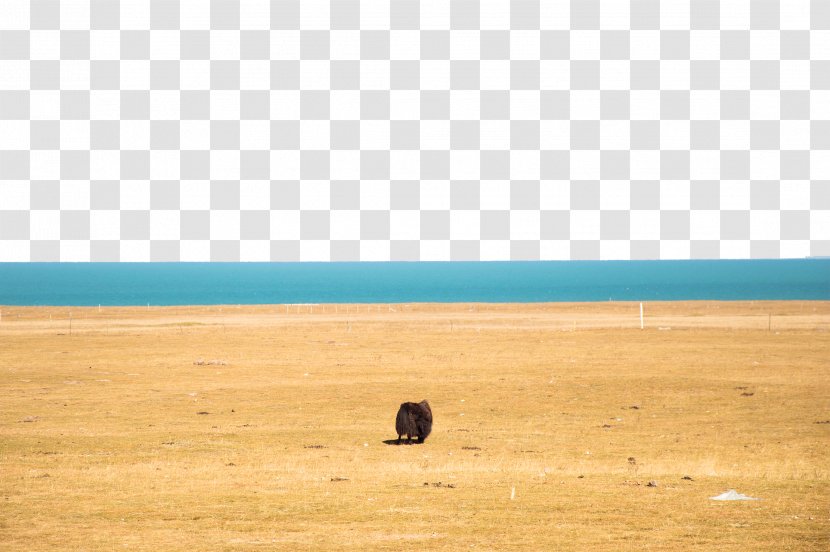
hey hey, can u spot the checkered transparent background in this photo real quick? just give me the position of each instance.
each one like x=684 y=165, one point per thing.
x=311 y=130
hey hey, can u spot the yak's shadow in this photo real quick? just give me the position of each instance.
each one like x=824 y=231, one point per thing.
x=395 y=443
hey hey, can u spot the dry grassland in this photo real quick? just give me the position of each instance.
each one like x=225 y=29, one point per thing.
x=261 y=428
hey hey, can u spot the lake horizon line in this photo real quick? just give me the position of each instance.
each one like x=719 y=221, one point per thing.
x=352 y=282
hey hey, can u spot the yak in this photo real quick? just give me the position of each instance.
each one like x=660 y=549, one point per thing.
x=414 y=419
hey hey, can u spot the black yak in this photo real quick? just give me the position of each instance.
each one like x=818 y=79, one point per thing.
x=414 y=419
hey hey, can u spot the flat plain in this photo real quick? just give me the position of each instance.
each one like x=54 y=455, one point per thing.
x=557 y=427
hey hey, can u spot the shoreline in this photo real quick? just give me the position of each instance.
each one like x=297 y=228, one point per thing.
x=777 y=315
x=7 y=306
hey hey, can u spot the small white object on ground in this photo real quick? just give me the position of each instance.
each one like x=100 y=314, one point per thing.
x=732 y=494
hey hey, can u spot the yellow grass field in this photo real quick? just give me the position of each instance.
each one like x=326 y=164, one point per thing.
x=266 y=427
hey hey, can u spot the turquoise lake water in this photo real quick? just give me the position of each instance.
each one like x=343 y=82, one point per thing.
x=409 y=282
